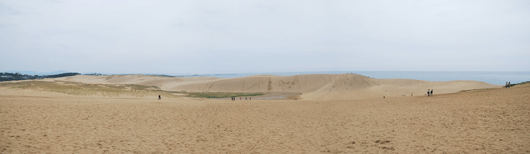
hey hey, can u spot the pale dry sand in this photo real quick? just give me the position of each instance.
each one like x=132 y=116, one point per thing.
x=485 y=121
x=312 y=86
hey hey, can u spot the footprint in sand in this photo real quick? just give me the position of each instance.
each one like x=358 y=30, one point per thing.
x=381 y=142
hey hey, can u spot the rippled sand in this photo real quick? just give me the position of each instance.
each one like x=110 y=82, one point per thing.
x=489 y=121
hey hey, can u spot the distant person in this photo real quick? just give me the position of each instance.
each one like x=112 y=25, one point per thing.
x=428 y=92
x=239 y=98
x=506 y=85
x=431 y=92
x=246 y=98
x=509 y=84
x=159 y=97
x=250 y=98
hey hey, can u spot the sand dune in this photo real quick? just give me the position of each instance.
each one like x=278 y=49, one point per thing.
x=486 y=121
x=312 y=87
x=164 y=83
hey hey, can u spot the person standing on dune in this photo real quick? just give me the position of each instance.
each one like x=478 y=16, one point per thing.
x=431 y=92
x=159 y=97
x=428 y=92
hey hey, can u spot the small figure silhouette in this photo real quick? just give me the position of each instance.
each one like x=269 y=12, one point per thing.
x=159 y=97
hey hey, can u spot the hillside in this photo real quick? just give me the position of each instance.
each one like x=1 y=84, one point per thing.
x=312 y=86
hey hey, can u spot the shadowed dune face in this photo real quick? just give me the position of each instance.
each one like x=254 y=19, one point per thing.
x=312 y=87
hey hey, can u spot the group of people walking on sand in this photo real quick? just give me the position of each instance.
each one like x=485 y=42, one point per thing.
x=429 y=92
x=508 y=85
x=234 y=98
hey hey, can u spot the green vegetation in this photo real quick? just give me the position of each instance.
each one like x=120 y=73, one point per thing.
x=522 y=83
x=17 y=76
x=218 y=94
x=474 y=90
x=517 y=84
x=75 y=88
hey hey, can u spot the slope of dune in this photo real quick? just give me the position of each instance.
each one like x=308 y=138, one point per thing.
x=484 y=121
x=297 y=83
x=164 y=83
x=333 y=87
x=312 y=86
x=394 y=88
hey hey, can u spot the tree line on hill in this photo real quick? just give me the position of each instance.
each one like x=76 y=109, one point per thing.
x=6 y=76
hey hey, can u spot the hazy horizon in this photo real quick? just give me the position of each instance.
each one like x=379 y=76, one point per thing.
x=223 y=37
x=265 y=73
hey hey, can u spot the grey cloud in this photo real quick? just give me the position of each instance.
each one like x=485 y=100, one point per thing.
x=265 y=36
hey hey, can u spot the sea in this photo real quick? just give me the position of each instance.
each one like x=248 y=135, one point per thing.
x=491 y=77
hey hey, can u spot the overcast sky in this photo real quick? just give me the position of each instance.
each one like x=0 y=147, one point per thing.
x=198 y=36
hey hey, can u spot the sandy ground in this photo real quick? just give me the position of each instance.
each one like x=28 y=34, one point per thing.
x=311 y=86
x=487 y=121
